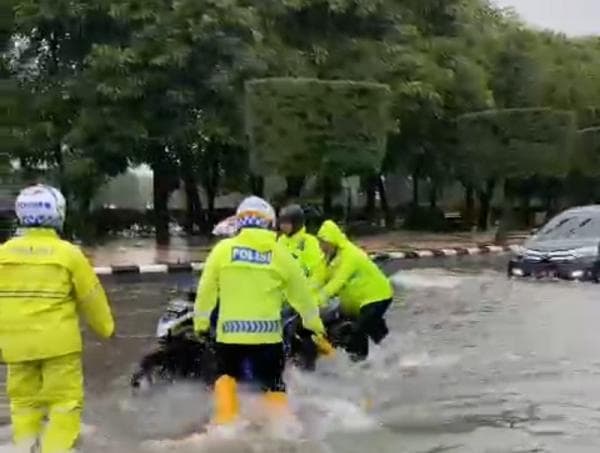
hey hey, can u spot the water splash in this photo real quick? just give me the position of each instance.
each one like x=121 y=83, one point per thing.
x=428 y=278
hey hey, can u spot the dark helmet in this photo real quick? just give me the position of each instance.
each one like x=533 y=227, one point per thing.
x=293 y=214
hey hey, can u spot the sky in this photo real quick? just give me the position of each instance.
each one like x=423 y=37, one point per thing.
x=573 y=17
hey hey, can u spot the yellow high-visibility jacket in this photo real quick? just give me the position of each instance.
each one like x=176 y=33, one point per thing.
x=45 y=283
x=305 y=248
x=251 y=276
x=351 y=274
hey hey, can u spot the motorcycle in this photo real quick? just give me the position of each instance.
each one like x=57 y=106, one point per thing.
x=180 y=355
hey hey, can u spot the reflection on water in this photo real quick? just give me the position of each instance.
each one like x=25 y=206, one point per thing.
x=145 y=251
x=480 y=365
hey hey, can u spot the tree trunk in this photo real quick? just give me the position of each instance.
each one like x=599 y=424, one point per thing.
x=485 y=200
x=370 y=185
x=506 y=219
x=193 y=203
x=211 y=194
x=68 y=229
x=469 y=206
x=257 y=185
x=162 y=189
x=389 y=217
x=294 y=186
x=433 y=193
x=327 y=196
x=415 y=181
x=212 y=186
x=526 y=206
x=348 y=204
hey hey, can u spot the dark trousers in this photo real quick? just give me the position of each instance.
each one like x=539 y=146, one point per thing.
x=266 y=362
x=370 y=324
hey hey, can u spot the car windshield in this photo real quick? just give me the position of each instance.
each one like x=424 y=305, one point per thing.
x=572 y=226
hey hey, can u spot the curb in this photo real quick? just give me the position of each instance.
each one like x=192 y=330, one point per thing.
x=174 y=268
x=445 y=252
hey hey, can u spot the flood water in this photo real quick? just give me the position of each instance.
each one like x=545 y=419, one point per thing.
x=475 y=363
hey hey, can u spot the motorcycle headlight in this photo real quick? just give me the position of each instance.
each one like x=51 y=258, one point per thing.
x=162 y=330
x=168 y=316
x=165 y=324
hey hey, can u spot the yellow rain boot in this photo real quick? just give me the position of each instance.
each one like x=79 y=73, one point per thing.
x=276 y=403
x=282 y=421
x=226 y=401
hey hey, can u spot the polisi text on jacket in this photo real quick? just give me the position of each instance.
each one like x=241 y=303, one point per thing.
x=248 y=255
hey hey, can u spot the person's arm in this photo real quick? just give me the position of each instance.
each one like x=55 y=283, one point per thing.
x=315 y=261
x=299 y=294
x=208 y=289
x=91 y=298
x=340 y=276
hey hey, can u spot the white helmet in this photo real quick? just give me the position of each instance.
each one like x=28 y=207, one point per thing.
x=255 y=212
x=227 y=227
x=41 y=206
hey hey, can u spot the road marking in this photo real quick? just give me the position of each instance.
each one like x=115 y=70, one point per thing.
x=154 y=269
x=197 y=266
x=397 y=255
x=103 y=270
x=424 y=253
x=450 y=252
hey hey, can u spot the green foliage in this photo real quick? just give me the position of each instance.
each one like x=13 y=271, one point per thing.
x=588 y=117
x=500 y=144
x=586 y=159
x=298 y=126
x=94 y=86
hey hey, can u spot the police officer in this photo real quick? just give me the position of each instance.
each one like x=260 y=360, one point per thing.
x=365 y=292
x=251 y=275
x=302 y=245
x=44 y=283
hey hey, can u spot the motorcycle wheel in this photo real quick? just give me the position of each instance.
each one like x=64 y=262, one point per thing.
x=178 y=360
x=154 y=370
x=340 y=333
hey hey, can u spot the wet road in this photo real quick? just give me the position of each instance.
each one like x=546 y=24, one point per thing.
x=476 y=363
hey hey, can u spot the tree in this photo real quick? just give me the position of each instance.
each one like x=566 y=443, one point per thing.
x=586 y=159
x=182 y=61
x=442 y=74
x=497 y=145
x=299 y=127
x=332 y=40
x=52 y=41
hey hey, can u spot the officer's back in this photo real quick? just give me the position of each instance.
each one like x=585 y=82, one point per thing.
x=252 y=279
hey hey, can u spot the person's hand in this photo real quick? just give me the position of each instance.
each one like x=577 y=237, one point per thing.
x=323 y=345
x=200 y=336
x=111 y=336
